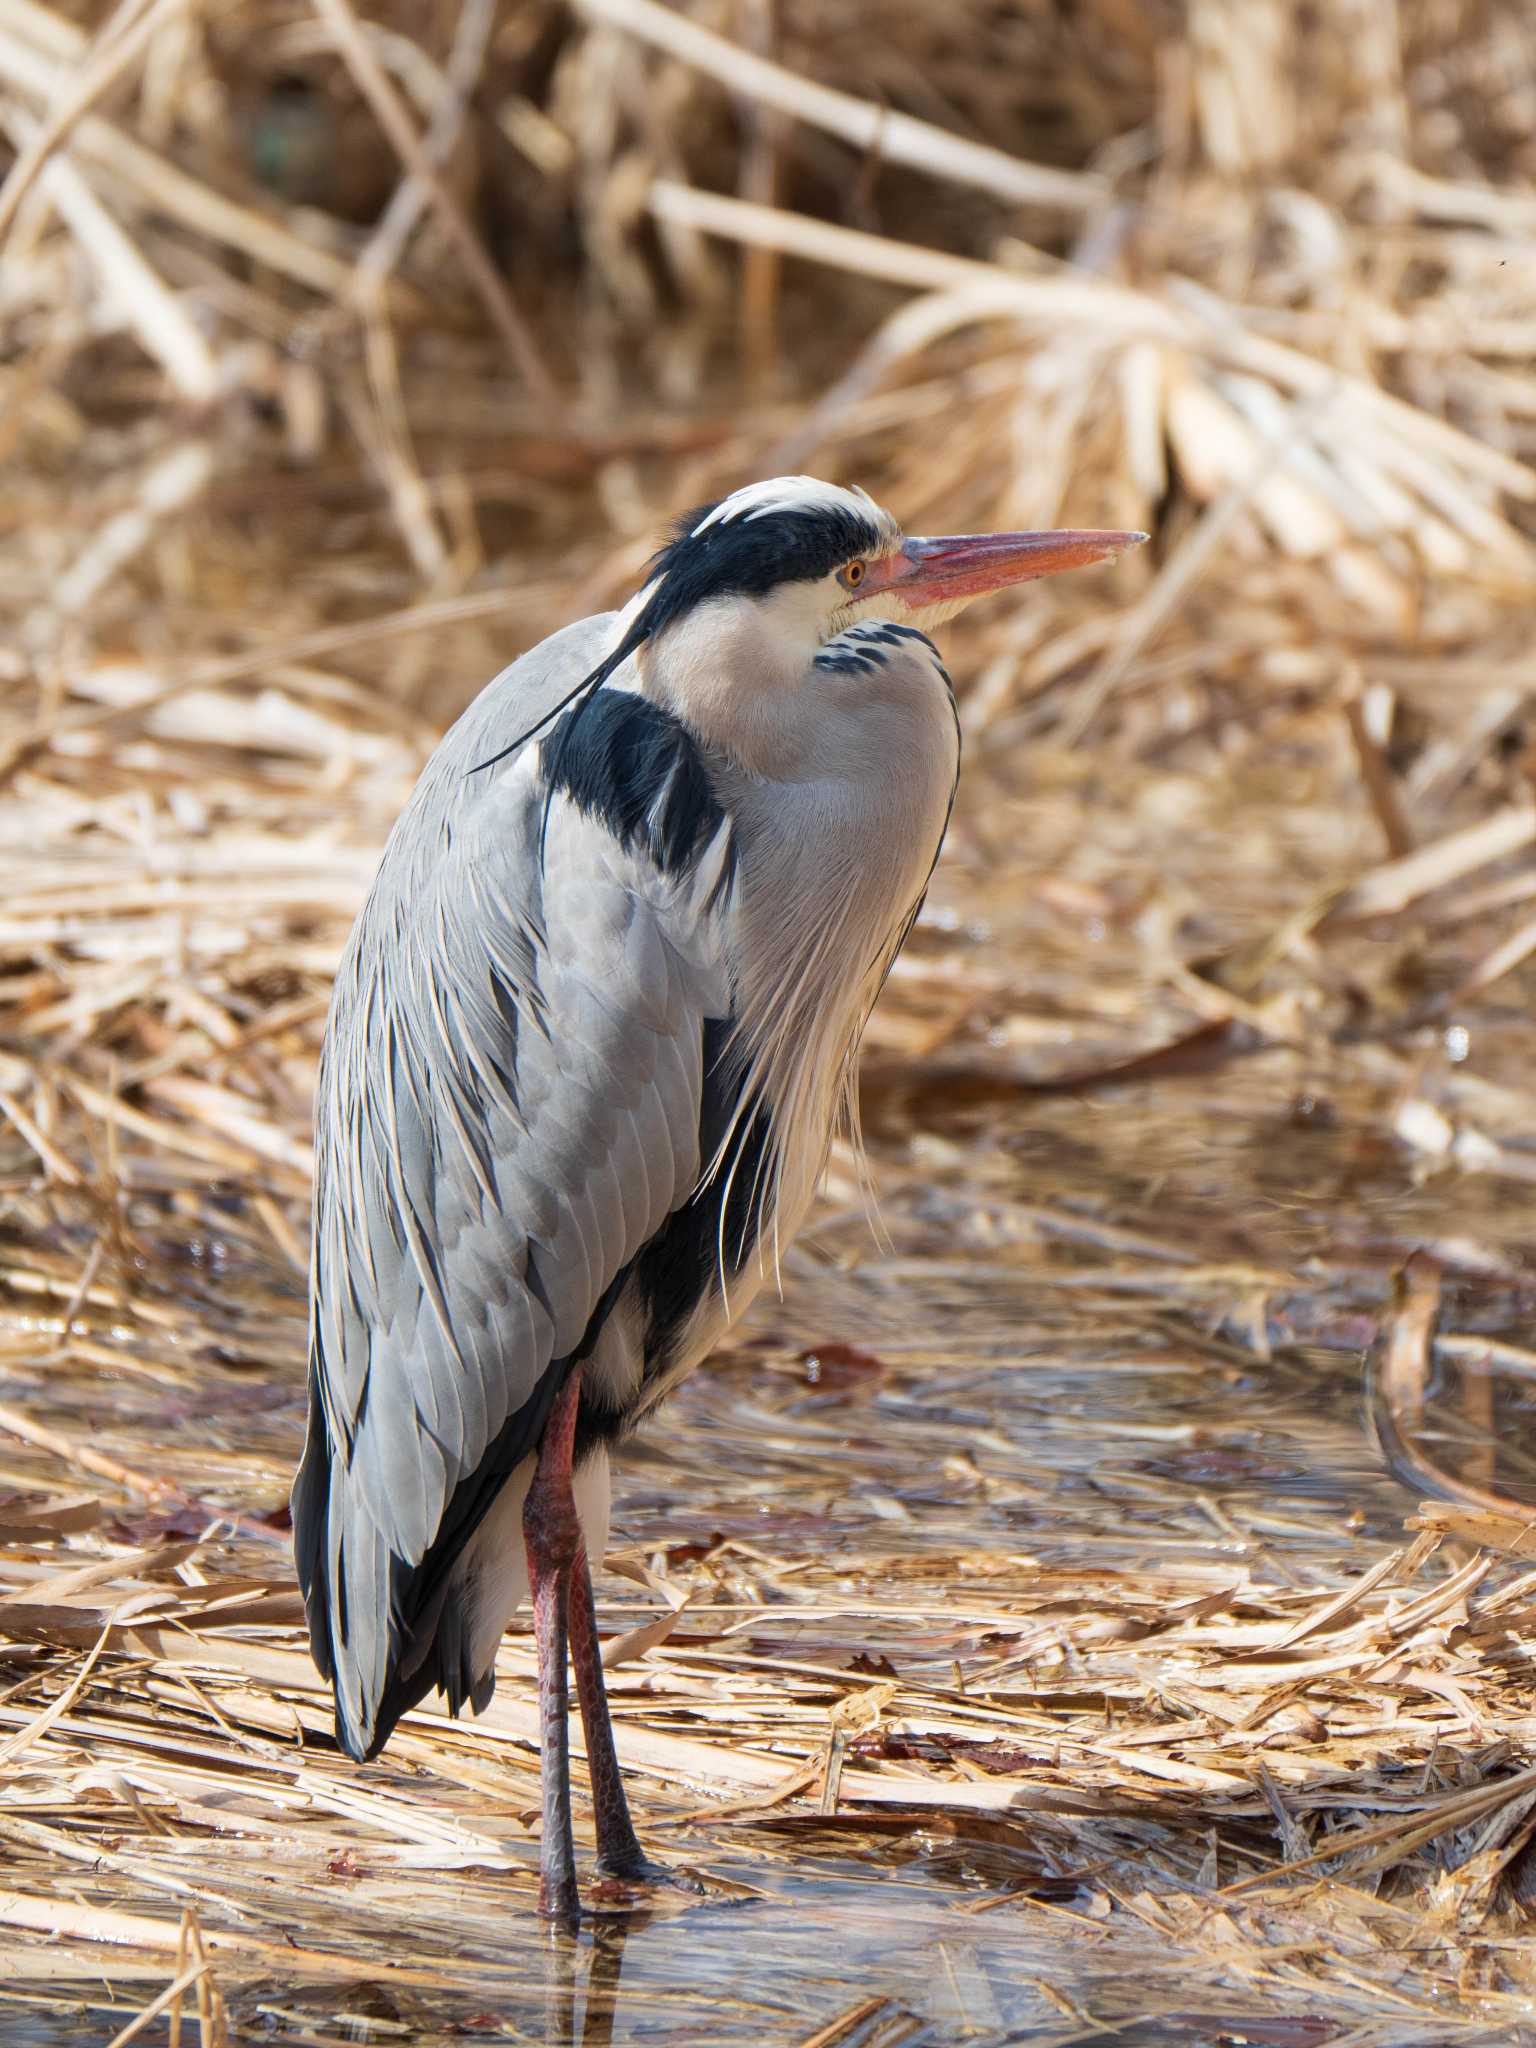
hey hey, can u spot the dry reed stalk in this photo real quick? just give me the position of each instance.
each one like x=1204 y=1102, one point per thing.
x=126 y=278
x=43 y=78
x=1375 y=771
x=123 y=41
x=893 y=137
x=461 y=77
x=418 y=160
x=171 y=1997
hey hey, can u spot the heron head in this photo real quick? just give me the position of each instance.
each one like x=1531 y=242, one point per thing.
x=811 y=558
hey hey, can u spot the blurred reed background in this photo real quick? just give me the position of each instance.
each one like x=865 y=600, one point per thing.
x=345 y=351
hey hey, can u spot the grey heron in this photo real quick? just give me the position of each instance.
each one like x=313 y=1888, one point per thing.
x=588 y=1045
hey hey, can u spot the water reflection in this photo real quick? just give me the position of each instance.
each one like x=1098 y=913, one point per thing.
x=843 y=1960
x=582 y=2003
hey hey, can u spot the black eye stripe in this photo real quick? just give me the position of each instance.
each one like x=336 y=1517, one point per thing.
x=750 y=557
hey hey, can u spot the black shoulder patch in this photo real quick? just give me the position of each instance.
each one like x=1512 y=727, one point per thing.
x=625 y=761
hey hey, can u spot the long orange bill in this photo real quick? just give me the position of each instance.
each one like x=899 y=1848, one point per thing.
x=925 y=572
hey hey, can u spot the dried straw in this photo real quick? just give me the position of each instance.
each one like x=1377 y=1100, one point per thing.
x=1017 y=1626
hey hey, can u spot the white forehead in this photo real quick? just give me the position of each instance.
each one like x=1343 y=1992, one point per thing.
x=797 y=494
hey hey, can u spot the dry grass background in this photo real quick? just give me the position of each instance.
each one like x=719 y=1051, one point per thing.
x=1019 y=1632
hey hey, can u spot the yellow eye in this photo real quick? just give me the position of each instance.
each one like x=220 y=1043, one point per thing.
x=851 y=576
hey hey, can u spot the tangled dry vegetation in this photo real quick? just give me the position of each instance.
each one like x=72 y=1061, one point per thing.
x=1018 y=1630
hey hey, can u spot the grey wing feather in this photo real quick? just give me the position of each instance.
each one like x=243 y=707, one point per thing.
x=508 y=1109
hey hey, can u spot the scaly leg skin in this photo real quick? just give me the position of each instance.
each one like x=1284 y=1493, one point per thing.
x=618 y=1847
x=619 y=1854
x=552 y=1535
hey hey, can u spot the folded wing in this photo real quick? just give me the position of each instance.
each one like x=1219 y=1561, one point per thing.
x=508 y=1113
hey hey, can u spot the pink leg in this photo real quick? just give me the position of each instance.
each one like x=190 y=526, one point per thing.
x=552 y=1535
x=618 y=1848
